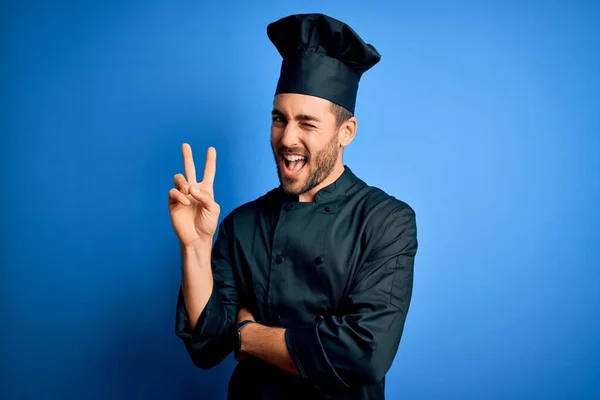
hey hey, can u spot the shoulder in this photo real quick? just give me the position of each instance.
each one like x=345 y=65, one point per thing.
x=389 y=222
x=386 y=202
x=378 y=206
x=391 y=227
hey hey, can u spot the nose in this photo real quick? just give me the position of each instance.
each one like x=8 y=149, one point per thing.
x=290 y=136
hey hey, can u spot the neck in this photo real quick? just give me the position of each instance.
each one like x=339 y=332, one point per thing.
x=309 y=196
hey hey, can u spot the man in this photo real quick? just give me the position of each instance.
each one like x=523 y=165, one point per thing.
x=309 y=284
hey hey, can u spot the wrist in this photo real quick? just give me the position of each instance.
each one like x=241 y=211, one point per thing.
x=201 y=242
x=243 y=325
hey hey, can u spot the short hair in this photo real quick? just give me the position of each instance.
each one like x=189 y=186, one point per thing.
x=341 y=114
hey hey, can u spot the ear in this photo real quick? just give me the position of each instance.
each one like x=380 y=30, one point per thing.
x=348 y=131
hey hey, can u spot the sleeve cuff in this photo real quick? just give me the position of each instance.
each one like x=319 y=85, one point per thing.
x=210 y=323
x=307 y=351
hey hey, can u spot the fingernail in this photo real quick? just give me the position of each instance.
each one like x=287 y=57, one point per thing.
x=195 y=189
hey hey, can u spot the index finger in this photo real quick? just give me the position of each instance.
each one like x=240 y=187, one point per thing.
x=210 y=168
x=188 y=163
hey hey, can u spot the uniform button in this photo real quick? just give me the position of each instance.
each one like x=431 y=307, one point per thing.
x=319 y=318
x=279 y=259
x=319 y=260
x=288 y=207
x=328 y=209
x=278 y=318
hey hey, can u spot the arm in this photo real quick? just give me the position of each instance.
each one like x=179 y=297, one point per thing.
x=357 y=348
x=208 y=331
x=197 y=279
x=268 y=344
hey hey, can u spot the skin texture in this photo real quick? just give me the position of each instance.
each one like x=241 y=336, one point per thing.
x=301 y=125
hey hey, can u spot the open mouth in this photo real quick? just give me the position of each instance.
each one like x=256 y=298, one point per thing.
x=293 y=163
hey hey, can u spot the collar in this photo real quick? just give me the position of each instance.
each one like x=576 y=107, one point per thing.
x=335 y=189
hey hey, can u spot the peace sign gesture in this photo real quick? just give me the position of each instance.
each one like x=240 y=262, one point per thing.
x=194 y=212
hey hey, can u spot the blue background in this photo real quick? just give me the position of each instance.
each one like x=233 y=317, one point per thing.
x=483 y=116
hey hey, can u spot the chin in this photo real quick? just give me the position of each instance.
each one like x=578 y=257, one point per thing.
x=291 y=186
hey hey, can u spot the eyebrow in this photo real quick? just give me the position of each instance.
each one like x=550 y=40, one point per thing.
x=299 y=117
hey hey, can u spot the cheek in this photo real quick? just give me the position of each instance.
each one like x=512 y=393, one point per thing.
x=318 y=144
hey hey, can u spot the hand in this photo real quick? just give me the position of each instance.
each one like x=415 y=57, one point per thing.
x=243 y=315
x=194 y=212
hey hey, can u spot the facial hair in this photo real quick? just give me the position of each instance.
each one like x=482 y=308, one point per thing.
x=320 y=165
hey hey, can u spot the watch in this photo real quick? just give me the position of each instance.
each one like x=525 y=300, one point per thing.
x=238 y=348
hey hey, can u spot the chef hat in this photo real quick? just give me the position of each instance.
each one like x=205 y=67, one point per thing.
x=322 y=57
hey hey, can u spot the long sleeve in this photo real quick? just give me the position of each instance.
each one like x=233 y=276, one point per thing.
x=357 y=348
x=213 y=337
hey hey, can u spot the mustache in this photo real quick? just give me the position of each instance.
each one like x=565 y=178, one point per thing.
x=282 y=150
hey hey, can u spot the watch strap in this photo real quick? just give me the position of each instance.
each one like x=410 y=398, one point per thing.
x=239 y=327
x=244 y=323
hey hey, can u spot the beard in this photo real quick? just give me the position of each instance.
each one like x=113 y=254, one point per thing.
x=320 y=166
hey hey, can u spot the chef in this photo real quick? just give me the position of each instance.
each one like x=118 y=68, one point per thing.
x=309 y=285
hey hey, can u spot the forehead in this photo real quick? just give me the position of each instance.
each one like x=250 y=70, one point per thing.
x=302 y=104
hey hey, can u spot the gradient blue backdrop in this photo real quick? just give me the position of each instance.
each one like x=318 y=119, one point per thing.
x=483 y=116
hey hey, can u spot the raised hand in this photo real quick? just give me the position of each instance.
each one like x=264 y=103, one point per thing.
x=194 y=212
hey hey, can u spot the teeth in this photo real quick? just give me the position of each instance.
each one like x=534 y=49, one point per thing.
x=291 y=157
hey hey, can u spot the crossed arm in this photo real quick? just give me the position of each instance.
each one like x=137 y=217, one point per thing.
x=266 y=343
x=260 y=341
